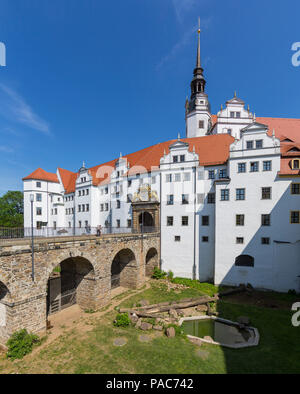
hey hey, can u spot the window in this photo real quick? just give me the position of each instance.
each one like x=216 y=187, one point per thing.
x=118 y=204
x=240 y=194
x=129 y=198
x=101 y=207
x=244 y=261
x=79 y=193
x=266 y=193
x=267 y=165
x=39 y=225
x=79 y=208
x=201 y=124
x=170 y=199
x=205 y=220
x=169 y=178
x=259 y=144
x=79 y=224
x=177 y=177
x=87 y=207
x=295 y=188
x=185 y=221
x=211 y=199
x=54 y=225
x=106 y=190
x=265 y=220
x=238 y=114
x=204 y=239
x=38 y=197
x=200 y=175
x=83 y=208
x=170 y=220
x=240 y=240
x=86 y=223
x=38 y=184
x=295 y=164
x=232 y=114
x=177 y=238
x=254 y=166
x=222 y=174
x=249 y=144
x=182 y=158
x=175 y=159
x=129 y=183
x=129 y=223
x=185 y=199
x=241 y=167
x=106 y=206
x=211 y=174
x=240 y=220
x=83 y=192
x=87 y=192
x=118 y=223
x=265 y=241
x=200 y=198
x=225 y=195
x=295 y=217
x=153 y=180
x=69 y=224
x=187 y=176
x=38 y=211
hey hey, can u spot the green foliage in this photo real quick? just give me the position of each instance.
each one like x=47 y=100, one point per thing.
x=170 y=275
x=57 y=269
x=20 y=344
x=11 y=209
x=178 y=329
x=292 y=292
x=122 y=320
x=205 y=288
x=89 y=311
x=158 y=273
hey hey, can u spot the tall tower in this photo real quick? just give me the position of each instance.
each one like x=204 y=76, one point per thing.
x=197 y=109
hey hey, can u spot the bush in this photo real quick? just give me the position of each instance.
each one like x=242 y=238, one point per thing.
x=158 y=273
x=20 y=344
x=170 y=275
x=292 y=292
x=122 y=320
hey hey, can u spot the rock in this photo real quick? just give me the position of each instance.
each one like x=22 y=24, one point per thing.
x=145 y=338
x=120 y=341
x=201 y=308
x=208 y=338
x=158 y=328
x=138 y=323
x=145 y=326
x=173 y=313
x=159 y=320
x=244 y=320
x=134 y=318
x=170 y=332
x=196 y=341
x=144 y=302
x=180 y=312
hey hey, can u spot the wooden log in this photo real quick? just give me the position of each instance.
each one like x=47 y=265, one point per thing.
x=184 y=305
x=160 y=304
x=143 y=314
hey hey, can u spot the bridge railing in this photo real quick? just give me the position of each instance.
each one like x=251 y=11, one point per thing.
x=7 y=234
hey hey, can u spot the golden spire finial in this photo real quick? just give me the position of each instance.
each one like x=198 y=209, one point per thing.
x=199 y=30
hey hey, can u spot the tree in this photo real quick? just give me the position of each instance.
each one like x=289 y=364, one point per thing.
x=11 y=209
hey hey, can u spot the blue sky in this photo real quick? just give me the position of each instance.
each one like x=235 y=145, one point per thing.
x=86 y=79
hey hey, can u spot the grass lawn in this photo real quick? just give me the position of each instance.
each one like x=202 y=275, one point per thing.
x=92 y=350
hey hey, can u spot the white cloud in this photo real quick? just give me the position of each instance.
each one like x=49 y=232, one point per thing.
x=15 y=107
x=6 y=149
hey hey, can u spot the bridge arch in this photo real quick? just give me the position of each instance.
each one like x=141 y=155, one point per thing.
x=4 y=294
x=151 y=261
x=124 y=269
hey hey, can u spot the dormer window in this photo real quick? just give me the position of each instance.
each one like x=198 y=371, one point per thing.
x=175 y=159
x=201 y=124
x=238 y=115
x=259 y=144
x=232 y=114
x=249 y=144
x=296 y=164
x=182 y=158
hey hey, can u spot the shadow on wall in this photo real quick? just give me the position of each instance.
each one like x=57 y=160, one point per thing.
x=271 y=259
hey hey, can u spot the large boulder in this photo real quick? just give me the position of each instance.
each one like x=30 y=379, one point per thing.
x=170 y=332
x=158 y=328
x=145 y=326
x=138 y=323
x=134 y=318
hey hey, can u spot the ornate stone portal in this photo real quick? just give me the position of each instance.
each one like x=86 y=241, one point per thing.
x=145 y=210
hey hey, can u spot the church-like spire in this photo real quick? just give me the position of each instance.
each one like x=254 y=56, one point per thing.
x=198 y=82
x=198 y=63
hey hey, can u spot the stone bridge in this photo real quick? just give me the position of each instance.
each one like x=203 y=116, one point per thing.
x=87 y=266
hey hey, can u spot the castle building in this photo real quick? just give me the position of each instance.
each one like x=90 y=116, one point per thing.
x=225 y=198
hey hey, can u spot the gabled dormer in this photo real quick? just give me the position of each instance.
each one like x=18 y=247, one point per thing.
x=179 y=154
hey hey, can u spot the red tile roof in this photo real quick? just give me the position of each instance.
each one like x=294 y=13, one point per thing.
x=68 y=179
x=284 y=128
x=42 y=175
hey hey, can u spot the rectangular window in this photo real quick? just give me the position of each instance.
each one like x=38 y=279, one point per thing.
x=211 y=174
x=240 y=240
x=240 y=194
x=129 y=183
x=295 y=217
x=201 y=124
x=265 y=220
x=175 y=159
x=79 y=193
x=177 y=177
x=200 y=175
x=83 y=192
x=211 y=199
x=222 y=174
x=259 y=144
x=87 y=192
x=101 y=207
x=266 y=193
x=129 y=223
x=169 y=178
x=225 y=195
x=182 y=158
x=205 y=220
x=204 y=239
x=106 y=190
x=232 y=114
x=129 y=198
x=241 y=167
x=118 y=204
x=187 y=176
x=185 y=199
x=249 y=144
x=106 y=206
x=38 y=197
x=200 y=198
x=118 y=223
x=177 y=238
x=170 y=220
x=170 y=199
x=240 y=220
x=295 y=188
x=265 y=241
x=267 y=165
x=38 y=211
x=38 y=184
x=238 y=114
x=87 y=207
x=79 y=208
x=79 y=224
x=185 y=221
x=54 y=225
x=254 y=166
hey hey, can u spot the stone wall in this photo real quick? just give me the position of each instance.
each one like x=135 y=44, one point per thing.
x=25 y=300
